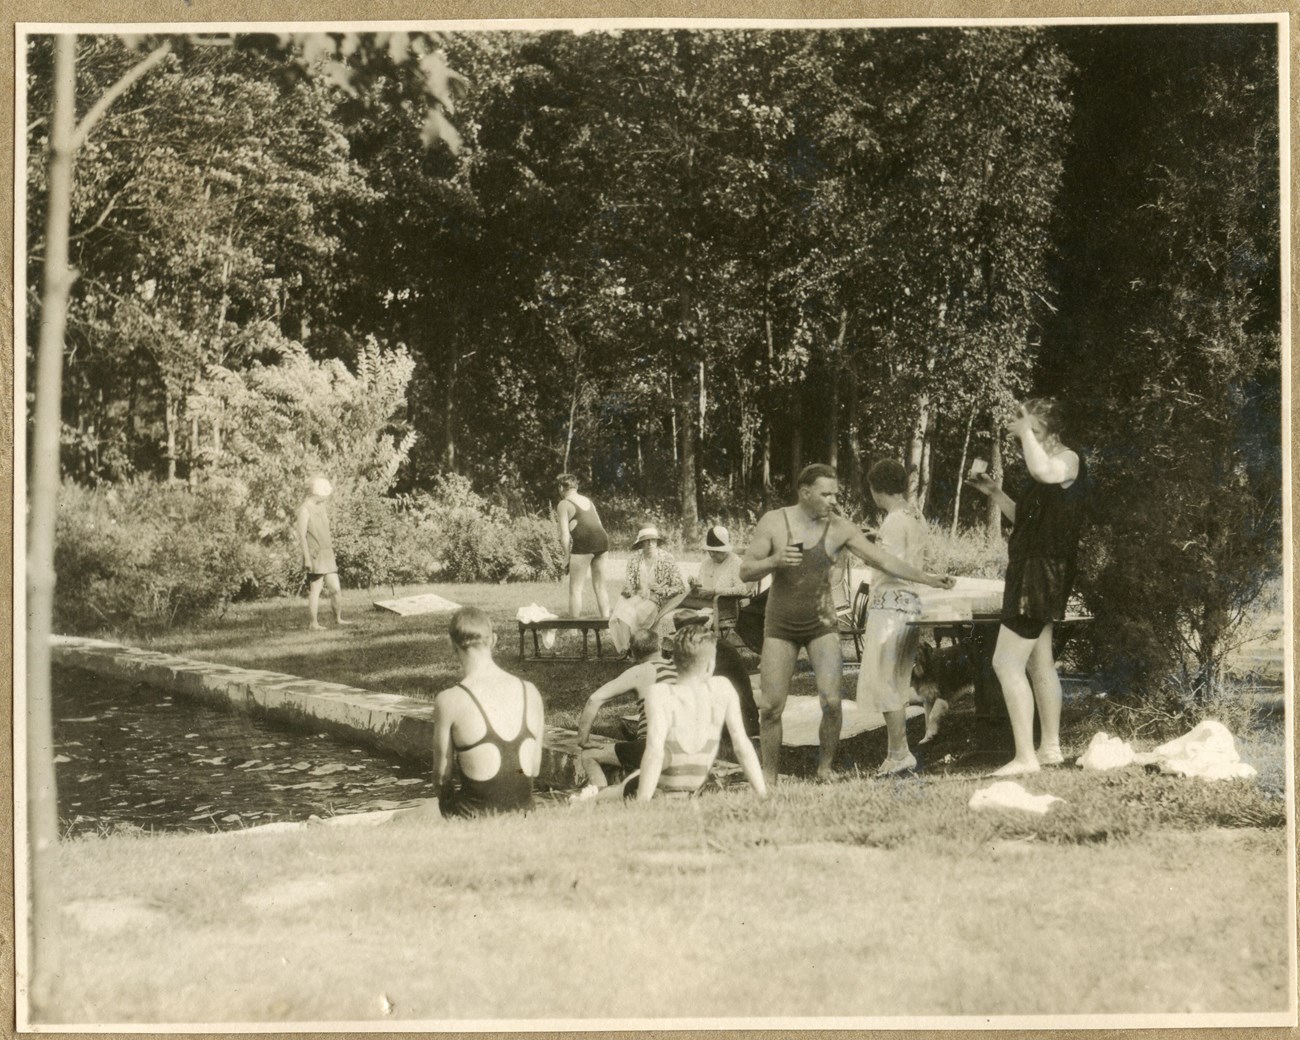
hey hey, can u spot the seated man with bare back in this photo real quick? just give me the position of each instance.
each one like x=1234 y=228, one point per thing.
x=487 y=745
x=798 y=546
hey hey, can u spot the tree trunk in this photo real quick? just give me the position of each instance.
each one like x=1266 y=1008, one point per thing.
x=193 y=475
x=42 y=820
x=856 y=488
x=837 y=353
x=672 y=418
x=686 y=467
x=796 y=435
x=993 y=515
x=704 y=403
x=833 y=434
x=449 y=416
x=923 y=485
x=767 y=398
x=916 y=449
x=573 y=404
x=169 y=426
x=961 y=472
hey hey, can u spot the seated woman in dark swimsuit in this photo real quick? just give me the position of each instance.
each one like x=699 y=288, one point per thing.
x=1040 y=570
x=585 y=543
x=488 y=731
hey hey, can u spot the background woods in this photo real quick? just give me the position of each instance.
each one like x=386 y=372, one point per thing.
x=682 y=264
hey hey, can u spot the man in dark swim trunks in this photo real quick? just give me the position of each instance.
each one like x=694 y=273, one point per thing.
x=488 y=730
x=798 y=546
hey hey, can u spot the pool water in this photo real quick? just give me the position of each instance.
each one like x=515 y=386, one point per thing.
x=131 y=756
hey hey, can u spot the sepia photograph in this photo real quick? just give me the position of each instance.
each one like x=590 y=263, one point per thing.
x=642 y=524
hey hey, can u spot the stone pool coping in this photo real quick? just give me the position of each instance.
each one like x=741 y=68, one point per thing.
x=387 y=721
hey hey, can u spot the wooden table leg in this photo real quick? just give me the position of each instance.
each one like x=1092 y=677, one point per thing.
x=521 y=640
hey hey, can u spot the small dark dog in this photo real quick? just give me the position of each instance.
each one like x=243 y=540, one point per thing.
x=941 y=675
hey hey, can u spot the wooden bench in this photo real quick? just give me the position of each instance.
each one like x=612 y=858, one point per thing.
x=586 y=626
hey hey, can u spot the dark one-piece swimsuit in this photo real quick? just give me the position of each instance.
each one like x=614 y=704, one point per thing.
x=511 y=789
x=799 y=607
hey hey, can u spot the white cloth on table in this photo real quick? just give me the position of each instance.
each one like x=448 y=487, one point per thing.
x=536 y=612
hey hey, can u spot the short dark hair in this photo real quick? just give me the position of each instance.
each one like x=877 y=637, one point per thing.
x=809 y=475
x=644 y=644
x=888 y=477
x=470 y=626
x=567 y=480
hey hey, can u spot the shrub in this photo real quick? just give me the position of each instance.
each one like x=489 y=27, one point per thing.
x=145 y=556
x=470 y=539
x=967 y=553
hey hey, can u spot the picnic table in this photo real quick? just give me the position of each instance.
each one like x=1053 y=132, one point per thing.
x=586 y=625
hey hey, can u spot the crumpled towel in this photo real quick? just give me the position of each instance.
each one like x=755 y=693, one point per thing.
x=1106 y=752
x=1007 y=794
x=1208 y=751
x=536 y=612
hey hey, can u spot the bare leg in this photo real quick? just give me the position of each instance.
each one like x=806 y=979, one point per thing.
x=775 y=668
x=1047 y=695
x=313 y=602
x=579 y=563
x=336 y=598
x=592 y=761
x=1009 y=662
x=828 y=666
x=598 y=583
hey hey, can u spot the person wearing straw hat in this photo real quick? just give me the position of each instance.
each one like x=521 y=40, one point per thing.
x=653 y=587
x=318 y=551
x=720 y=574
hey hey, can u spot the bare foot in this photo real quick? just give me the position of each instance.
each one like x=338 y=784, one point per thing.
x=1050 y=757
x=892 y=766
x=824 y=776
x=340 y=621
x=1017 y=768
x=314 y=627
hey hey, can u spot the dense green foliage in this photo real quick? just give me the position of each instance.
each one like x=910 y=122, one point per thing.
x=682 y=264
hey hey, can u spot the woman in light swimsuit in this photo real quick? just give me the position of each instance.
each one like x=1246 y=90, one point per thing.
x=585 y=544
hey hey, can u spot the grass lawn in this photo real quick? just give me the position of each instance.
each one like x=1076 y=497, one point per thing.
x=1139 y=894
x=861 y=899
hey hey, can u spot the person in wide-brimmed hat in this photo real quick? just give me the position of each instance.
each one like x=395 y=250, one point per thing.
x=720 y=574
x=653 y=587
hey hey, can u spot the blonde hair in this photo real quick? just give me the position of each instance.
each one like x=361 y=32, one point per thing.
x=320 y=487
x=694 y=642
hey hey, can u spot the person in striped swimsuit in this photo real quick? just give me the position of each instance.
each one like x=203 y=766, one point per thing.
x=651 y=667
x=684 y=722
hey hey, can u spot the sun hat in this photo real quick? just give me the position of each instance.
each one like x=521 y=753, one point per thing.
x=717 y=539
x=646 y=534
x=320 y=487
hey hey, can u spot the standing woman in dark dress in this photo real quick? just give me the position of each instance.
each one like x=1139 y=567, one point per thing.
x=1041 y=560
x=585 y=543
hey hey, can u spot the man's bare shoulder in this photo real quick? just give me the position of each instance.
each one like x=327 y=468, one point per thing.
x=772 y=520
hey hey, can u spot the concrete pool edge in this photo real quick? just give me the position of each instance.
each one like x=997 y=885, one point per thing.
x=384 y=721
